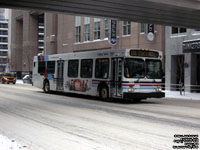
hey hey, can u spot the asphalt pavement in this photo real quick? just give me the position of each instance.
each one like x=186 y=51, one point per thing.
x=70 y=122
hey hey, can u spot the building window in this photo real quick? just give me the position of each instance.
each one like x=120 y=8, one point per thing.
x=96 y=28
x=86 y=29
x=126 y=28
x=86 y=68
x=73 y=68
x=177 y=30
x=106 y=28
x=78 y=29
x=3 y=53
x=142 y=27
x=102 y=68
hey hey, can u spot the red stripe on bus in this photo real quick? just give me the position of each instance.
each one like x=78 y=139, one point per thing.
x=150 y=85
x=95 y=82
x=141 y=85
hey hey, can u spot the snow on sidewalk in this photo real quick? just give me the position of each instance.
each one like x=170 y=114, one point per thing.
x=7 y=144
x=186 y=95
x=19 y=81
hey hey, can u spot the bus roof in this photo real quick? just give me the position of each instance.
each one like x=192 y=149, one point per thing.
x=93 y=54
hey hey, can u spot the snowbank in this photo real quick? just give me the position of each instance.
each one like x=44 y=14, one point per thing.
x=7 y=144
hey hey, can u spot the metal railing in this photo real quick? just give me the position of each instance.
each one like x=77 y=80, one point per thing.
x=182 y=88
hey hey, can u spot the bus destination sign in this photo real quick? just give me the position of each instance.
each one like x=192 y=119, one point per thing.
x=144 y=53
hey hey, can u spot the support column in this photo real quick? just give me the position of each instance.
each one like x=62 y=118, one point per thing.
x=51 y=21
x=168 y=72
x=30 y=41
x=187 y=74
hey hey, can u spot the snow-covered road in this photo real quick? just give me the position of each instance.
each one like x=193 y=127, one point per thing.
x=59 y=122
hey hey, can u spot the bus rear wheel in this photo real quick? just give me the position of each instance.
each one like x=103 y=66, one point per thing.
x=46 y=87
x=103 y=93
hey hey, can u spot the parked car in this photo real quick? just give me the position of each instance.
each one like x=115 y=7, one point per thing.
x=27 y=79
x=7 y=78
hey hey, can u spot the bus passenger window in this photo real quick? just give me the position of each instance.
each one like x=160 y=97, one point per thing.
x=51 y=67
x=86 y=68
x=41 y=67
x=102 y=68
x=73 y=68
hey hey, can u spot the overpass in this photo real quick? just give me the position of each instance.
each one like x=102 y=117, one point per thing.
x=183 y=13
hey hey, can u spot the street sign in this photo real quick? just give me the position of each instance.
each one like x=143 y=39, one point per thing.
x=150 y=32
x=113 y=32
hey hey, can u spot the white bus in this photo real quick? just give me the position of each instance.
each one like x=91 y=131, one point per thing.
x=126 y=74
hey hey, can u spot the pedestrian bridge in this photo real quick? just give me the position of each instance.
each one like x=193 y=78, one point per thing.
x=184 y=13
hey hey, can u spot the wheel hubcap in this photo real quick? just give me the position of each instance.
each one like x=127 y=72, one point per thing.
x=46 y=87
x=104 y=93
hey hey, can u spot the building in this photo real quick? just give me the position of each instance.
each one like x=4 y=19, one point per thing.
x=3 y=40
x=63 y=33
x=182 y=59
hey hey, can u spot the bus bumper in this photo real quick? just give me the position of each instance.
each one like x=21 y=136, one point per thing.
x=144 y=95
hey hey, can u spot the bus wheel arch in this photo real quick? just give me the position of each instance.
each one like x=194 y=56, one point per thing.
x=103 y=91
x=46 y=86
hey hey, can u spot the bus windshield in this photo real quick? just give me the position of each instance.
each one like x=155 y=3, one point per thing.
x=134 y=68
x=138 y=68
x=153 y=69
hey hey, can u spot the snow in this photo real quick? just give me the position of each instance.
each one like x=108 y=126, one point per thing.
x=186 y=95
x=8 y=144
x=19 y=81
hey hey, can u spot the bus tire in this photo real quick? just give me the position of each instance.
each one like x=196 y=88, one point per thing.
x=103 y=93
x=46 y=87
x=137 y=100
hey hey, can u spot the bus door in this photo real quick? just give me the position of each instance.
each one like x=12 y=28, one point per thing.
x=60 y=72
x=116 y=90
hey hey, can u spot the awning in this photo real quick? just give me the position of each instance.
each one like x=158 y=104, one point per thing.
x=191 y=46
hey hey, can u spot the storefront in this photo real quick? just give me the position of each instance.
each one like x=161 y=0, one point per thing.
x=192 y=47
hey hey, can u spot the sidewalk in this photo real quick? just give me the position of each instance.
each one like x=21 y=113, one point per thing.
x=188 y=96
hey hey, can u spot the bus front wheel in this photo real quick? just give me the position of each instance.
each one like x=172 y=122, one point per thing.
x=103 y=93
x=46 y=87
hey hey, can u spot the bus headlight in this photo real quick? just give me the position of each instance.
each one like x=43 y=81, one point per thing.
x=159 y=89
x=130 y=89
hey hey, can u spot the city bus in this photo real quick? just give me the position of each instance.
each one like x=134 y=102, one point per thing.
x=132 y=74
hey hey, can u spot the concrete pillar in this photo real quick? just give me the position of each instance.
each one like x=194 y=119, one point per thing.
x=168 y=72
x=30 y=41
x=16 y=42
x=50 y=21
x=187 y=74
x=66 y=33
